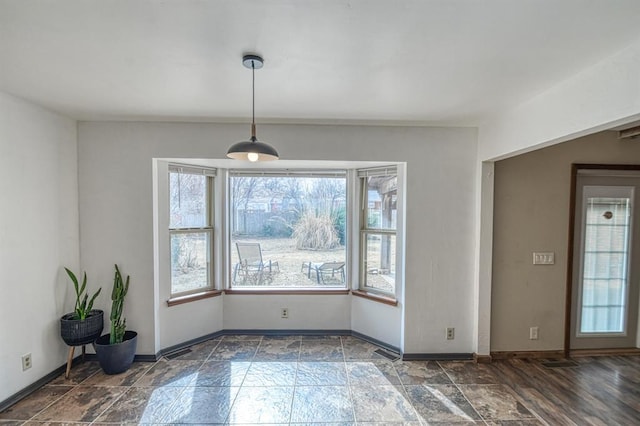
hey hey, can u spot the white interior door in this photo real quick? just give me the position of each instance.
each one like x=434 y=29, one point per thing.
x=605 y=265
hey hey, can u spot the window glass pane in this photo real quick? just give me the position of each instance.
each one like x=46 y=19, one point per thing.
x=599 y=319
x=604 y=274
x=288 y=231
x=189 y=261
x=380 y=262
x=187 y=200
x=382 y=193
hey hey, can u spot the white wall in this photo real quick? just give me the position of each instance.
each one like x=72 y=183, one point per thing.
x=483 y=258
x=373 y=319
x=597 y=98
x=116 y=223
x=440 y=241
x=38 y=235
x=317 y=312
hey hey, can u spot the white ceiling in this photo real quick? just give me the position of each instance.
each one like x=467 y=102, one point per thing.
x=401 y=61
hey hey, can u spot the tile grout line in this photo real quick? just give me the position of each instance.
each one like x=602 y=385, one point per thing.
x=144 y=374
x=211 y=353
x=522 y=401
x=346 y=370
x=184 y=388
x=295 y=382
x=251 y=361
x=404 y=387
x=123 y=393
x=147 y=372
x=110 y=405
x=32 y=418
x=462 y=393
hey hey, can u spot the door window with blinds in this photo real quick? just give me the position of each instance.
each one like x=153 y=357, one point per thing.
x=379 y=198
x=288 y=229
x=190 y=229
x=605 y=260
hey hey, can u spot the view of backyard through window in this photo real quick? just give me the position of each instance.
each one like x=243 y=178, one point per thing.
x=379 y=232
x=190 y=232
x=288 y=231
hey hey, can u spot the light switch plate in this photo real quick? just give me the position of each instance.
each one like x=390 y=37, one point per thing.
x=544 y=258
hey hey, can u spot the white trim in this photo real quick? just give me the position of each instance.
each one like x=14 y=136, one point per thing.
x=378 y=171
x=288 y=172
x=592 y=191
x=364 y=230
x=209 y=228
x=192 y=170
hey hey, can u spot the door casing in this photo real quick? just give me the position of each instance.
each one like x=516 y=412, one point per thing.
x=571 y=237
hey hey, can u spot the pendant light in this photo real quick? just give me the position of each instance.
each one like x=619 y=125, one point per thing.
x=252 y=150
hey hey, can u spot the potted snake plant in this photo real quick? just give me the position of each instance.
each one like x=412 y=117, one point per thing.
x=84 y=324
x=117 y=349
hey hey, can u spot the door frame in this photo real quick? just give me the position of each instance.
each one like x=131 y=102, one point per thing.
x=575 y=167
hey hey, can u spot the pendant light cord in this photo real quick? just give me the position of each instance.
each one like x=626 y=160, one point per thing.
x=253 y=101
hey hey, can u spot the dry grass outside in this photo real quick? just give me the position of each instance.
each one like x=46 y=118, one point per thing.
x=313 y=232
x=290 y=262
x=291 y=272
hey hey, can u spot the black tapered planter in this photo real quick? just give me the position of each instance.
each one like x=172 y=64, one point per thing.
x=116 y=358
x=77 y=333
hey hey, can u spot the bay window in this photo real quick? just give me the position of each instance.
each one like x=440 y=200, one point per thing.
x=378 y=227
x=288 y=229
x=190 y=229
x=279 y=230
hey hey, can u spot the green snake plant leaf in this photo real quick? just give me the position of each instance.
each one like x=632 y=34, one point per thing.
x=82 y=307
x=90 y=306
x=83 y=287
x=74 y=280
x=118 y=324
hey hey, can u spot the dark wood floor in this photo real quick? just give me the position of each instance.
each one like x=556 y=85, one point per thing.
x=598 y=391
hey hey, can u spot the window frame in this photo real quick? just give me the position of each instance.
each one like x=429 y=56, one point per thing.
x=208 y=229
x=301 y=173
x=365 y=230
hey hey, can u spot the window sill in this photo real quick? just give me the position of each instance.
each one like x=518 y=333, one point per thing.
x=375 y=297
x=287 y=291
x=193 y=297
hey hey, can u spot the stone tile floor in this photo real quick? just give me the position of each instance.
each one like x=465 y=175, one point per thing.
x=298 y=380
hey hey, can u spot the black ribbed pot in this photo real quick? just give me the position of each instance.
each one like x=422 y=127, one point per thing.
x=116 y=358
x=76 y=333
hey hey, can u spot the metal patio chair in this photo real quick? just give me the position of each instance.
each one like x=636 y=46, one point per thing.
x=324 y=270
x=251 y=268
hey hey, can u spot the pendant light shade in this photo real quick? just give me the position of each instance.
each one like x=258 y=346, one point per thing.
x=252 y=150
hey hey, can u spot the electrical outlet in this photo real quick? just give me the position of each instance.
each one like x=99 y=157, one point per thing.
x=533 y=333
x=451 y=333
x=284 y=313
x=26 y=362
